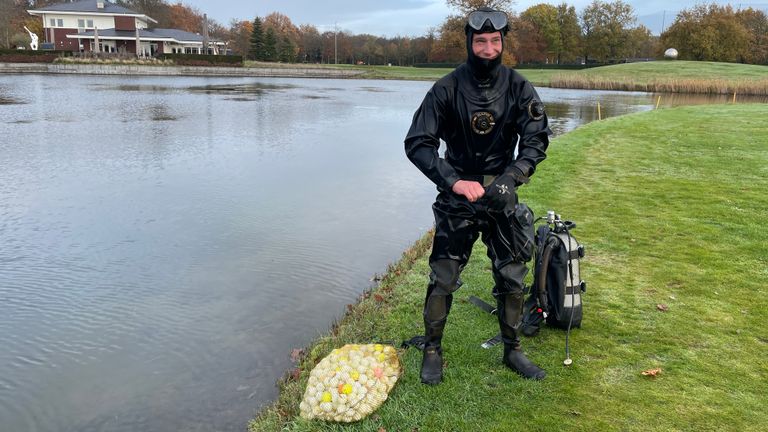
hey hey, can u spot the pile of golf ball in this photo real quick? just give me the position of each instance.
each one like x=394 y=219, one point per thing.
x=350 y=383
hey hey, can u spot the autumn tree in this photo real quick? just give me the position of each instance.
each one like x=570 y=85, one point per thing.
x=310 y=45
x=466 y=6
x=158 y=10
x=422 y=47
x=531 y=45
x=543 y=18
x=240 y=36
x=450 y=46
x=570 y=32
x=283 y=28
x=708 y=32
x=606 y=29
x=256 y=47
x=13 y=15
x=642 y=43
x=756 y=22
x=184 y=18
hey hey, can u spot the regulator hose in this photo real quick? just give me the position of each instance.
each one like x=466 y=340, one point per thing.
x=541 y=291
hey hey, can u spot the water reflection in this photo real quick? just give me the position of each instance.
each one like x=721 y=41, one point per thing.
x=254 y=88
x=10 y=101
x=168 y=241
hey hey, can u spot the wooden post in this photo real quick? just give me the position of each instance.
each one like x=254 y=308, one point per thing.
x=599 y=114
x=658 y=101
x=734 y=96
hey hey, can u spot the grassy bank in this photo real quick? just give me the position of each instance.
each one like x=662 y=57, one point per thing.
x=658 y=76
x=670 y=77
x=670 y=205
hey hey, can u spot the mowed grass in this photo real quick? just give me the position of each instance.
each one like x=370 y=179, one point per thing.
x=646 y=72
x=669 y=76
x=671 y=206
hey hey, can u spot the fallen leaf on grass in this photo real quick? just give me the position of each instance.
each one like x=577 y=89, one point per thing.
x=662 y=307
x=652 y=372
x=296 y=354
x=381 y=429
x=378 y=297
x=295 y=373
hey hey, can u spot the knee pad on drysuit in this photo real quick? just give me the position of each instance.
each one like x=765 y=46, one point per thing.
x=443 y=281
x=509 y=280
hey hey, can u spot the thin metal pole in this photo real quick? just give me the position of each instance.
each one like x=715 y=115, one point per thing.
x=335 y=44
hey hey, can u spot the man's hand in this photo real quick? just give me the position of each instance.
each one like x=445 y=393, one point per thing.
x=470 y=189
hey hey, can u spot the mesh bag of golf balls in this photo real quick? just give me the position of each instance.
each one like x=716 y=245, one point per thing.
x=350 y=383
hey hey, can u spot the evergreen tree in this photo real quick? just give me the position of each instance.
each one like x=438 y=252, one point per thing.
x=287 y=51
x=270 y=45
x=256 y=49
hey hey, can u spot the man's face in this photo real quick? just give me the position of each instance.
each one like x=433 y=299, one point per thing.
x=486 y=46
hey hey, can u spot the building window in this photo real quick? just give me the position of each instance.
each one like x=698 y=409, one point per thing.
x=81 y=23
x=53 y=22
x=90 y=23
x=60 y=22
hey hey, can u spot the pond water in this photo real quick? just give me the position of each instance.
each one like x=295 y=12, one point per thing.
x=166 y=242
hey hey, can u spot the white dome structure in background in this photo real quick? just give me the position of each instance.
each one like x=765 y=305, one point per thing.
x=671 y=53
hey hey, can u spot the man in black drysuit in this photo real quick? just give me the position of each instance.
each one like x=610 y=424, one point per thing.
x=479 y=110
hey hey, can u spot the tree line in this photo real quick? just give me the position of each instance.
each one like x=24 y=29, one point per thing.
x=604 y=32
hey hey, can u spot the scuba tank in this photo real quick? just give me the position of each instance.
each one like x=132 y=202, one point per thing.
x=555 y=296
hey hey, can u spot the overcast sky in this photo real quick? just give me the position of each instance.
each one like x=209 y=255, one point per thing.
x=413 y=17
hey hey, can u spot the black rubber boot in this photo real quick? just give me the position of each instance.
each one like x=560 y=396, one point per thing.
x=510 y=312
x=436 y=310
x=518 y=362
x=444 y=280
x=432 y=366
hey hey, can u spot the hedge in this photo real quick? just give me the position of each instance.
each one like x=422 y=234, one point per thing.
x=205 y=60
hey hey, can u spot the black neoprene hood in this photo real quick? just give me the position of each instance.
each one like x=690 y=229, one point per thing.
x=483 y=68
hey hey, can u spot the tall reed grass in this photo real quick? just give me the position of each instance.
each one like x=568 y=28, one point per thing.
x=757 y=87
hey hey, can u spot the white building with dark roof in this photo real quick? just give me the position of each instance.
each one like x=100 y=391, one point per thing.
x=101 y=26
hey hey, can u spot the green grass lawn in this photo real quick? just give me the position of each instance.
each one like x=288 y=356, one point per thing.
x=670 y=205
x=646 y=72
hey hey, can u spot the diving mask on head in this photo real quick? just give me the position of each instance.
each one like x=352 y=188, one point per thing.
x=476 y=20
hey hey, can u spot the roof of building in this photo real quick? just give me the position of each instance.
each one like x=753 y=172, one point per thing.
x=89 y=6
x=147 y=34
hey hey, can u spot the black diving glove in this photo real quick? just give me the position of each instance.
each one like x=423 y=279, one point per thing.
x=502 y=192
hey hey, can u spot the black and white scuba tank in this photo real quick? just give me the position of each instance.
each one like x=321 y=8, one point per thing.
x=555 y=295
